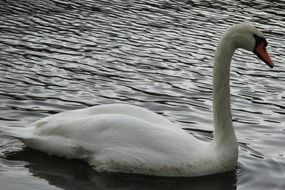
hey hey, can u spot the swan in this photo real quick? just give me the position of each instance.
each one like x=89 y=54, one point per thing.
x=130 y=139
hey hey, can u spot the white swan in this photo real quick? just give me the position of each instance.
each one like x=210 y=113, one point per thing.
x=130 y=139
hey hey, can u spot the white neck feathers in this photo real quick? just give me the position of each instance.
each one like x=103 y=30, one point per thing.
x=224 y=133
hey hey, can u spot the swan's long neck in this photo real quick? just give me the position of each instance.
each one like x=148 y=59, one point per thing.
x=224 y=133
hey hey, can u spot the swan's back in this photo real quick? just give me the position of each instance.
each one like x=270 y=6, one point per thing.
x=120 y=143
x=123 y=109
x=123 y=138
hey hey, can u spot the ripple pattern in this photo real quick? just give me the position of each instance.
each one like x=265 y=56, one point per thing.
x=58 y=55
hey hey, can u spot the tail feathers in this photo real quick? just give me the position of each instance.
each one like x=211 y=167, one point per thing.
x=17 y=132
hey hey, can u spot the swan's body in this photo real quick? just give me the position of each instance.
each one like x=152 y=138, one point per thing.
x=130 y=139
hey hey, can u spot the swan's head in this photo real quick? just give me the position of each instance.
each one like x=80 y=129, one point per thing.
x=247 y=37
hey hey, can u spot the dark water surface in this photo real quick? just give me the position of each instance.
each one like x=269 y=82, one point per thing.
x=58 y=55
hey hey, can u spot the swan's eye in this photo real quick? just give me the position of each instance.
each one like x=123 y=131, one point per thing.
x=265 y=42
x=259 y=40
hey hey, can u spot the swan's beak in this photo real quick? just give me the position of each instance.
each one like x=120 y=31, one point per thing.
x=261 y=52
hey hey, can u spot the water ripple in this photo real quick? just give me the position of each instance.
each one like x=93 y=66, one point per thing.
x=59 y=55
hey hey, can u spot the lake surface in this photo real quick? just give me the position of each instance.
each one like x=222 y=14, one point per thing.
x=59 y=55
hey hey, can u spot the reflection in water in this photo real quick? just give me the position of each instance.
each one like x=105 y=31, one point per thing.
x=59 y=55
x=75 y=174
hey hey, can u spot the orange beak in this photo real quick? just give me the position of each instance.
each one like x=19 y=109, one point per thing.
x=261 y=52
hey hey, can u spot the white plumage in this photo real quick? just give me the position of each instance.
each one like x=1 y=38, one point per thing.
x=130 y=139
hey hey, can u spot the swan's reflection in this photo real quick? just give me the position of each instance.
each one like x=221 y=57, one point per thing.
x=75 y=174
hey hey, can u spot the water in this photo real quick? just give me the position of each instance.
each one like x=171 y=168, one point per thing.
x=58 y=55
